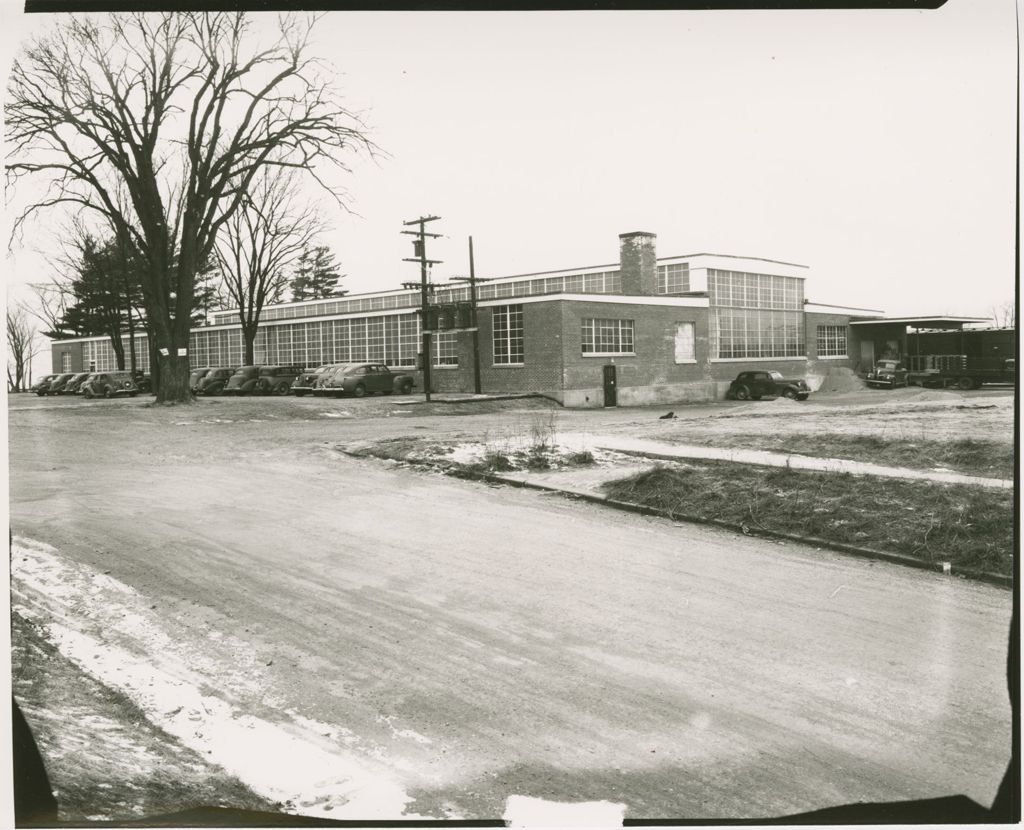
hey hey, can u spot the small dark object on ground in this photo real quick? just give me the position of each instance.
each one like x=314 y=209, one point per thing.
x=666 y=416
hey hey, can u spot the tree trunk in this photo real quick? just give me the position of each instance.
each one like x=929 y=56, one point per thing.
x=154 y=363
x=131 y=342
x=249 y=341
x=173 y=379
x=118 y=346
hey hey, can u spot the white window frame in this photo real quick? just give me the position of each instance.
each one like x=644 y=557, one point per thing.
x=591 y=329
x=507 y=335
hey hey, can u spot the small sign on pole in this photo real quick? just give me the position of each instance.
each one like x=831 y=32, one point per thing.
x=164 y=352
x=182 y=352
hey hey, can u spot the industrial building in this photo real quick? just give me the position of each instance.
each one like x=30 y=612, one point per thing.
x=646 y=329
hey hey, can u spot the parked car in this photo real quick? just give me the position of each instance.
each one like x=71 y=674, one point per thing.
x=41 y=385
x=307 y=381
x=767 y=384
x=109 y=384
x=887 y=374
x=144 y=382
x=214 y=381
x=361 y=379
x=276 y=380
x=55 y=385
x=197 y=375
x=74 y=384
x=242 y=381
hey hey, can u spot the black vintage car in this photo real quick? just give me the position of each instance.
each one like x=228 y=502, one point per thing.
x=74 y=384
x=307 y=381
x=767 y=384
x=262 y=380
x=213 y=381
x=109 y=385
x=361 y=379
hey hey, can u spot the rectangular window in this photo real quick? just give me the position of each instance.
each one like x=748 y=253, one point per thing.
x=684 y=341
x=831 y=341
x=507 y=322
x=755 y=315
x=674 y=279
x=600 y=336
x=742 y=290
x=445 y=349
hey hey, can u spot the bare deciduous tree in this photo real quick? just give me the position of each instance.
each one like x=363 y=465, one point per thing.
x=21 y=348
x=258 y=242
x=1005 y=314
x=180 y=112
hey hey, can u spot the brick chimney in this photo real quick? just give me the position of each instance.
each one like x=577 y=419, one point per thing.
x=637 y=263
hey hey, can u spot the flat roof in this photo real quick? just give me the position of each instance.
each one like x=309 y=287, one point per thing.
x=943 y=322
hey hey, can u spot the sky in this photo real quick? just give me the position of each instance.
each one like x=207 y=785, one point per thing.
x=875 y=147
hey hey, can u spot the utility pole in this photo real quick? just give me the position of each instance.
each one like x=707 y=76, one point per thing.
x=473 y=320
x=475 y=329
x=419 y=247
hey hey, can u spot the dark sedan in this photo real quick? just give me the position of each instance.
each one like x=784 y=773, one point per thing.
x=767 y=384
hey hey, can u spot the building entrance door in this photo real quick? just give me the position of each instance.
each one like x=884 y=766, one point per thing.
x=867 y=355
x=610 y=396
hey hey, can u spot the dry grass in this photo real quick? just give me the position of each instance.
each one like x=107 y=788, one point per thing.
x=970 y=527
x=971 y=456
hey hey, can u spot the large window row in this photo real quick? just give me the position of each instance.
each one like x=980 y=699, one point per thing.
x=674 y=279
x=98 y=355
x=393 y=340
x=507 y=335
x=832 y=341
x=738 y=333
x=605 y=336
x=742 y=290
x=603 y=282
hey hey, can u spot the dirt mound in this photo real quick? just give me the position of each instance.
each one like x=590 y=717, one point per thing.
x=841 y=379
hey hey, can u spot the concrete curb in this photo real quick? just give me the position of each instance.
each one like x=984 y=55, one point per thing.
x=481 y=399
x=643 y=510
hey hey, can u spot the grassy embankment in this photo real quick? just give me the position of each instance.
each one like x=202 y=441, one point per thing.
x=970 y=527
x=971 y=456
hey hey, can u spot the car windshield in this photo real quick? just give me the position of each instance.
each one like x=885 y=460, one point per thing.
x=775 y=375
x=245 y=370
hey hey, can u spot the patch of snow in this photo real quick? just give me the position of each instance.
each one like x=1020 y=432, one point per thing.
x=297 y=762
x=524 y=811
x=342 y=414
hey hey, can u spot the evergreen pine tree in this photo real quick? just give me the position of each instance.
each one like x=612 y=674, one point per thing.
x=300 y=282
x=323 y=281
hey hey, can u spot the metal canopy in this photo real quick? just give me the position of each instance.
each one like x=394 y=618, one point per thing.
x=924 y=322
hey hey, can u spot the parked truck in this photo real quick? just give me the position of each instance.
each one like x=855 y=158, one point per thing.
x=962 y=371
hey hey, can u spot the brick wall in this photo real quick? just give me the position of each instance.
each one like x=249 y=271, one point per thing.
x=649 y=376
x=74 y=350
x=542 y=360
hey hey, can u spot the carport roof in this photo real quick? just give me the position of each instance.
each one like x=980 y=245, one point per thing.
x=943 y=322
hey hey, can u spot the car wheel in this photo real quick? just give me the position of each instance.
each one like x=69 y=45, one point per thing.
x=359 y=391
x=743 y=394
x=406 y=388
x=965 y=383
x=789 y=393
x=281 y=389
x=87 y=394
x=107 y=393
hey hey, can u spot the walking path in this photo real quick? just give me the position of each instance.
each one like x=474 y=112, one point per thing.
x=679 y=452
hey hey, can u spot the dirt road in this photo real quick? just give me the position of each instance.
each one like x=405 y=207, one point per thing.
x=358 y=641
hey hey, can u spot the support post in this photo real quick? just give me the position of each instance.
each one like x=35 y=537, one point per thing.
x=420 y=249
x=475 y=321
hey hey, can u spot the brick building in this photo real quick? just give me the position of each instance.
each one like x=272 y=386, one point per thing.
x=643 y=330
